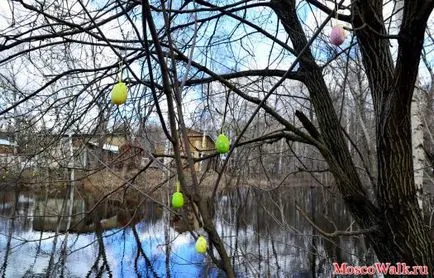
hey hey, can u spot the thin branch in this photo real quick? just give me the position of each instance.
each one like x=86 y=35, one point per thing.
x=250 y=73
x=327 y=10
x=335 y=233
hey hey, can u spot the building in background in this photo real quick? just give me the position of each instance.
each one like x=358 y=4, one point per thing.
x=8 y=154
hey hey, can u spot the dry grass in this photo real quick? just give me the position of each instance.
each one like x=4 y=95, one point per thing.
x=116 y=181
x=113 y=182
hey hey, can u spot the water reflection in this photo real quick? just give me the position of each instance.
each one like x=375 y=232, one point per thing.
x=264 y=234
x=269 y=234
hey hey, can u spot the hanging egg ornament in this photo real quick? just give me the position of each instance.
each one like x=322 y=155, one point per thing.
x=337 y=35
x=119 y=93
x=222 y=144
x=177 y=197
x=177 y=200
x=201 y=245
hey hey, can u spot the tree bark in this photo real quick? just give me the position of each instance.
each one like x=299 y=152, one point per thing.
x=392 y=90
x=398 y=232
x=416 y=119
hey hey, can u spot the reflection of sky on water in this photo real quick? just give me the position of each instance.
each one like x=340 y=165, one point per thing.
x=264 y=236
x=184 y=261
x=121 y=252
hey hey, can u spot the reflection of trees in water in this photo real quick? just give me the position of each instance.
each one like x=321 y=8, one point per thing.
x=109 y=214
x=104 y=267
x=23 y=212
x=264 y=232
x=14 y=204
x=141 y=253
x=10 y=233
x=270 y=236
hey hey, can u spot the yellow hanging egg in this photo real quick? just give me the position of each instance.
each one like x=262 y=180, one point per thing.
x=222 y=144
x=119 y=93
x=177 y=200
x=201 y=245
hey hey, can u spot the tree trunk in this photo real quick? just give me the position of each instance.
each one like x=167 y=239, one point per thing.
x=416 y=118
x=417 y=133
x=392 y=90
x=398 y=232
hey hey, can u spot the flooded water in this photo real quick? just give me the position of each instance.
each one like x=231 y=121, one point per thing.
x=264 y=233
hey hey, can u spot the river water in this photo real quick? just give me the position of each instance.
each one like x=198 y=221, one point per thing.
x=264 y=234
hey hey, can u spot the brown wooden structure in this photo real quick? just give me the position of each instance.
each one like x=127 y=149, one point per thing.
x=201 y=144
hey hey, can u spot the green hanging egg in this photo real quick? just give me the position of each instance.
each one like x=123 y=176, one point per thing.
x=177 y=200
x=119 y=93
x=222 y=144
x=201 y=245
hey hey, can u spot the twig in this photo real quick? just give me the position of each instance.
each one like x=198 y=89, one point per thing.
x=335 y=233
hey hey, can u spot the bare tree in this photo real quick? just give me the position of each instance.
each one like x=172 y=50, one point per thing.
x=171 y=52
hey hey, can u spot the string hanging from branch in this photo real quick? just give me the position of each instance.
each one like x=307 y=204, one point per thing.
x=222 y=144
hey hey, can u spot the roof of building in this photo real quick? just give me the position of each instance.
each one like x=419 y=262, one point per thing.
x=4 y=142
x=107 y=147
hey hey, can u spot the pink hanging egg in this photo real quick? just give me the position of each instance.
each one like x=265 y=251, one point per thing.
x=337 y=35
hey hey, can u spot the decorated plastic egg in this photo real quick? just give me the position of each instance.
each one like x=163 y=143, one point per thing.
x=119 y=93
x=201 y=245
x=222 y=144
x=177 y=200
x=337 y=35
